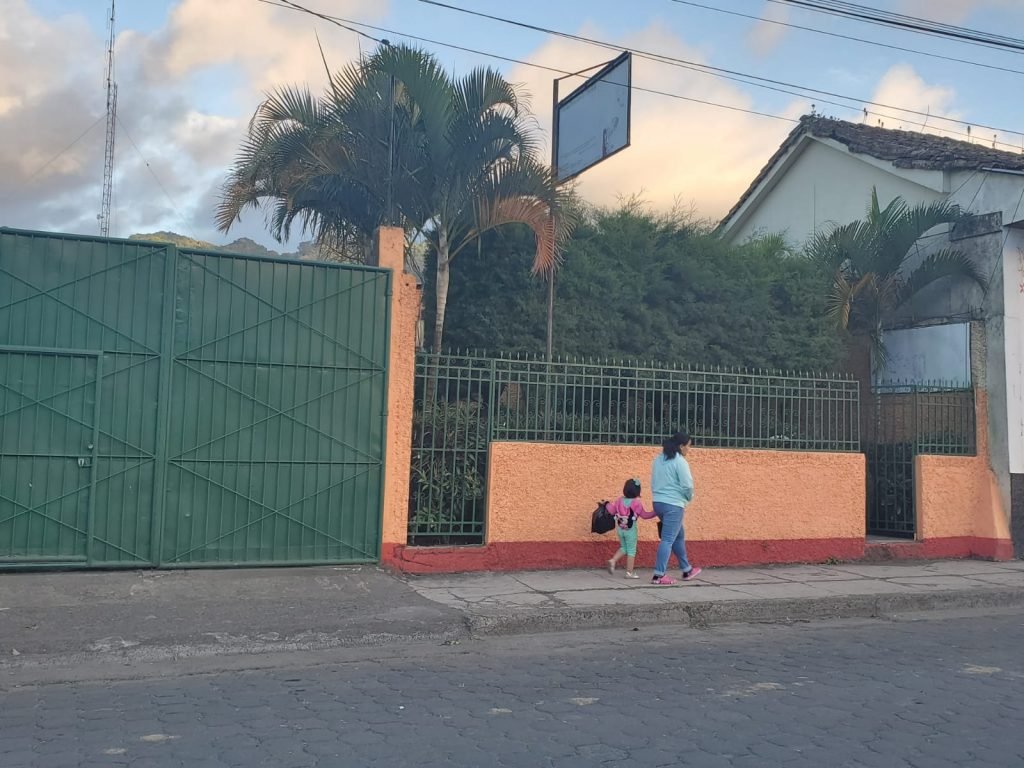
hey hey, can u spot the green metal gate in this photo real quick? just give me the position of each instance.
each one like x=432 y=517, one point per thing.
x=172 y=407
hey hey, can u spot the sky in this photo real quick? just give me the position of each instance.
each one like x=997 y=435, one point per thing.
x=191 y=73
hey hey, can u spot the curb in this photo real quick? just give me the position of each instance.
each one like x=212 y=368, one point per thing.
x=703 y=615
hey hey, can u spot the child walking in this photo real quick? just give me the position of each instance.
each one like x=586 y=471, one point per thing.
x=627 y=510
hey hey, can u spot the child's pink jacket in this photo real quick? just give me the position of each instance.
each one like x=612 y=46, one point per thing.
x=621 y=511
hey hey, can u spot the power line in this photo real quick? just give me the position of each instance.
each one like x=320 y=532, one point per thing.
x=150 y=169
x=912 y=23
x=728 y=74
x=853 y=38
x=556 y=70
x=906 y=23
x=288 y=4
x=66 y=149
x=525 y=63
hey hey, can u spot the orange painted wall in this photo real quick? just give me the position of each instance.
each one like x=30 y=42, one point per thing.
x=405 y=311
x=741 y=495
x=957 y=496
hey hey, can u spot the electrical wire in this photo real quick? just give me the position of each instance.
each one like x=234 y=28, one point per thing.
x=906 y=23
x=342 y=22
x=149 y=167
x=325 y=17
x=914 y=23
x=525 y=63
x=66 y=149
x=728 y=74
x=853 y=38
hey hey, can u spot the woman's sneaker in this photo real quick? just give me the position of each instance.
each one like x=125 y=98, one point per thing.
x=693 y=573
x=663 y=581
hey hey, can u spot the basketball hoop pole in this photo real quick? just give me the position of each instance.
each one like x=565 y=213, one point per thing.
x=557 y=184
x=554 y=224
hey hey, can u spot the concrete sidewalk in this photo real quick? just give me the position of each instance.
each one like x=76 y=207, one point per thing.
x=550 y=600
x=133 y=621
x=144 y=616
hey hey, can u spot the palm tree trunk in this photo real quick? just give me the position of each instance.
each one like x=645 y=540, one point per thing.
x=440 y=289
x=440 y=305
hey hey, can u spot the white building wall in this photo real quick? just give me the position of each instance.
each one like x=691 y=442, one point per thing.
x=984 y=192
x=825 y=184
x=1013 y=283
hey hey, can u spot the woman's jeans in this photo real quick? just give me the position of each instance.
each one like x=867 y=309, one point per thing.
x=672 y=540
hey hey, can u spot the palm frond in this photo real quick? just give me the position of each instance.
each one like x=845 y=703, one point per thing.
x=520 y=192
x=839 y=304
x=427 y=91
x=843 y=298
x=847 y=248
x=900 y=239
x=947 y=263
x=879 y=351
x=485 y=90
x=295 y=104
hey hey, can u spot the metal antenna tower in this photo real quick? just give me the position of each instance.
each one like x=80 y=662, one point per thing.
x=108 y=152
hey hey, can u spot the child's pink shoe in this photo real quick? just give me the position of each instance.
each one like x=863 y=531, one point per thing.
x=663 y=581
x=693 y=573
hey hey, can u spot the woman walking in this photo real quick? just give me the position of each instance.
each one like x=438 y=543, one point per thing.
x=672 y=490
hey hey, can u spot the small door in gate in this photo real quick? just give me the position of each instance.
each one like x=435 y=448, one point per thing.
x=891 y=436
x=48 y=434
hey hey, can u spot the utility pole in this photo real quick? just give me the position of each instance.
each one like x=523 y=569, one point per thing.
x=108 y=152
x=389 y=203
x=554 y=224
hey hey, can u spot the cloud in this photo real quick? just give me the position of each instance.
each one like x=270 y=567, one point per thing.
x=681 y=151
x=765 y=37
x=902 y=85
x=267 y=44
x=44 y=110
x=187 y=90
x=185 y=95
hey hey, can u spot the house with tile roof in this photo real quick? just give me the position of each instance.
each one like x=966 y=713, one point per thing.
x=822 y=175
x=824 y=171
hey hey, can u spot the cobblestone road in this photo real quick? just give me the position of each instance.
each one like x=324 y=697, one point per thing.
x=928 y=694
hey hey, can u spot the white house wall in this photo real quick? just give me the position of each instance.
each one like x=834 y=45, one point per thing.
x=984 y=192
x=826 y=184
x=1013 y=282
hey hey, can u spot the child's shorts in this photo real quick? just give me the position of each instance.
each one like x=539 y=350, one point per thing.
x=627 y=539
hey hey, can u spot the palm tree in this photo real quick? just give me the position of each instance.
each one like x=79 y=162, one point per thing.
x=321 y=162
x=478 y=146
x=462 y=155
x=868 y=263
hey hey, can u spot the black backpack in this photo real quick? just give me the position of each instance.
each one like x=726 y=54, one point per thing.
x=602 y=521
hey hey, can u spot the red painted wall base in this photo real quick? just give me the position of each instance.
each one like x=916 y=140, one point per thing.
x=942 y=549
x=547 y=555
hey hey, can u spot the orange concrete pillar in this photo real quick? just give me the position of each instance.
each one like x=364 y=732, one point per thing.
x=389 y=253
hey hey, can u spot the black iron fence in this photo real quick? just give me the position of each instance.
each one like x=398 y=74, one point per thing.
x=463 y=402
x=902 y=422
